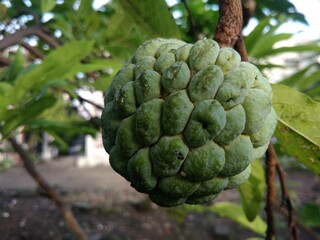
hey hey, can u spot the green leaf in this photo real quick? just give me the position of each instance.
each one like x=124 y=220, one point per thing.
x=252 y=191
x=102 y=83
x=309 y=214
x=5 y=88
x=234 y=212
x=153 y=16
x=298 y=129
x=56 y=66
x=295 y=78
x=91 y=66
x=15 y=68
x=21 y=116
x=47 y=5
x=300 y=48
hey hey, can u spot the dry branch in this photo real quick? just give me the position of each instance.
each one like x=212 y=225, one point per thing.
x=65 y=208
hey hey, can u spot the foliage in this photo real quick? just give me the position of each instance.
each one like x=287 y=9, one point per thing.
x=96 y=42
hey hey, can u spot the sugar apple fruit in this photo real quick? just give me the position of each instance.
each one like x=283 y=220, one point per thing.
x=183 y=122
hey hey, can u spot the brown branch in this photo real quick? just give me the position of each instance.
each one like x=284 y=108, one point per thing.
x=90 y=102
x=286 y=201
x=230 y=23
x=248 y=8
x=241 y=48
x=65 y=208
x=17 y=37
x=271 y=163
x=308 y=230
x=4 y=61
x=35 y=51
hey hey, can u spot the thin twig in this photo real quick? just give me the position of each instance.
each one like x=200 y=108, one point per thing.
x=90 y=102
x=65 y=208
x=271 y=192
x=308 y=230
x=286 y=201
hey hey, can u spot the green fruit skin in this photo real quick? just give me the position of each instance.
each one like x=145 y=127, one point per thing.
x=205 y=83
x=257 y=106
x=177 y=186
x=234 y=88
x=164 y=200
x=140 y=171
x=206 y=122
x=200 y=200
x=177 y=109
x=238 y=156
x=176 y=77
x=111 y=121
x=211 y=187
x=126 y=137
x=236 y=180
x=228 y=59
x=126 y=74
x=265 y=133
x=118 y=162
x=148 y=122
x=125 y=100
x=204 y=163
x=147 y=86
x=183 y=122
x=203 y=53
x=182 y=53
x=235 y=123
x=145 y=63
x=164 y=61
x=168 y=155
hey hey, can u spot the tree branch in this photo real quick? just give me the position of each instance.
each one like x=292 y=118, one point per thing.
x=241 y=48
x=271 y=163
x=286 y=201
x=35 y=51
x=17 y=37
x=81 y=99
x=4 y=61
x=230 y=23
x=65 y=208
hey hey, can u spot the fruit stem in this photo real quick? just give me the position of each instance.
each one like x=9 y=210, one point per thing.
x=229 y=25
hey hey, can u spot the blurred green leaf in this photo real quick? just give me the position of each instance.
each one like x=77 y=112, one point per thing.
x=153 y=16
x=309 y=214
x=47 y=5
x=5 y=88
x=16 y=117
x=298 y=125
x=299 y=48
x=56 y=66
x=234 y=212
x=252 y=191
x=15 y=68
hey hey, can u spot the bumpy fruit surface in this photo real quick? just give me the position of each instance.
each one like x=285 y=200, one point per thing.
x=183 y=122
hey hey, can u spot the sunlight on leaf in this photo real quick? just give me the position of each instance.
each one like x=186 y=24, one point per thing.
x=252 y=191
x=298 y=128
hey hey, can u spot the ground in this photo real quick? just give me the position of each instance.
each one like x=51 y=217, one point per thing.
x=108 y=208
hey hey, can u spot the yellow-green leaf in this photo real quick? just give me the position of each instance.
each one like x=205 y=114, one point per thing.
x=298 y=129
